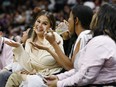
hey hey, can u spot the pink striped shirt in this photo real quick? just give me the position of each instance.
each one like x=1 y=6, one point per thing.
x=95 y=64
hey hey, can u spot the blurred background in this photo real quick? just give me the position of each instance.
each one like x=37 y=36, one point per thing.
x=17 y=15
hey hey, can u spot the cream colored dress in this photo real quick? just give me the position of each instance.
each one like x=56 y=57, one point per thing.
x=38 y=59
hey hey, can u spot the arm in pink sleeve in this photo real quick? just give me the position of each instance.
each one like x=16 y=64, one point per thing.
x=92 y=62
x=66 y=74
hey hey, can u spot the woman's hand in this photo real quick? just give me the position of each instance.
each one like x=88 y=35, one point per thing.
x=51 y=77
x=12 y=43
x=50 y=36
x=51 y=81
x=39 y=46
x=24 y=72
x=28 y=73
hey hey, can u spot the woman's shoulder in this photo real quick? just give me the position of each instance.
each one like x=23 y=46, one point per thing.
x=58 y=38
x=85 y=33
x=103 y=40
x=57 y=35
x=29 y=40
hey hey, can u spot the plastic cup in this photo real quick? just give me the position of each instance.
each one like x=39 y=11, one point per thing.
x=62 y=27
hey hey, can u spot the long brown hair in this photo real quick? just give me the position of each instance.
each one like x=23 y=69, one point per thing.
x=105 y=21
x=50 y=17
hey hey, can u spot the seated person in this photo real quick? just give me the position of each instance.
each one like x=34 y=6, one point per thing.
x=96 y=64
x=35 y=60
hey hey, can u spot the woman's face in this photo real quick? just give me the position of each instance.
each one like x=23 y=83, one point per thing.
x=71 y=23
x=42 y=24
x=25 y=36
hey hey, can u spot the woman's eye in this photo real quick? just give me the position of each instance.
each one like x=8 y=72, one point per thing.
x=38 y=21
x=45 y=23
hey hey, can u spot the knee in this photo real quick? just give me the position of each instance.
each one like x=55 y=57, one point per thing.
x=14 y=80
x=14 y=76
x=2 y=72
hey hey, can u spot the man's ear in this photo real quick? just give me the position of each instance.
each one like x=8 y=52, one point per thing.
x=76 y=20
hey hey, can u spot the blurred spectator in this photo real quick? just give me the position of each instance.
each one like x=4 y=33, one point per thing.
x=59 y=5
x=51 y=5
x=19 y=13
x=71 y=2
x=6 y=5
x=6 y=54
x=114 y=1
x=90 y=4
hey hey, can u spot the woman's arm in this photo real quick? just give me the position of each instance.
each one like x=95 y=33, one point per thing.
x=65 y=62
x=21 y=55
x=54 y=39
x=62 y=59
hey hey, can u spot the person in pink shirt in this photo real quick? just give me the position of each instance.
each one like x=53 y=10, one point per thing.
x=6 y=54
x=6 y=58
x=95 y=64
x=14 y=66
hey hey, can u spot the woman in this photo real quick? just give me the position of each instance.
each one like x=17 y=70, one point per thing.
x=96 y=64
x=36 y=60
x=26 y=35
x=78 y=23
